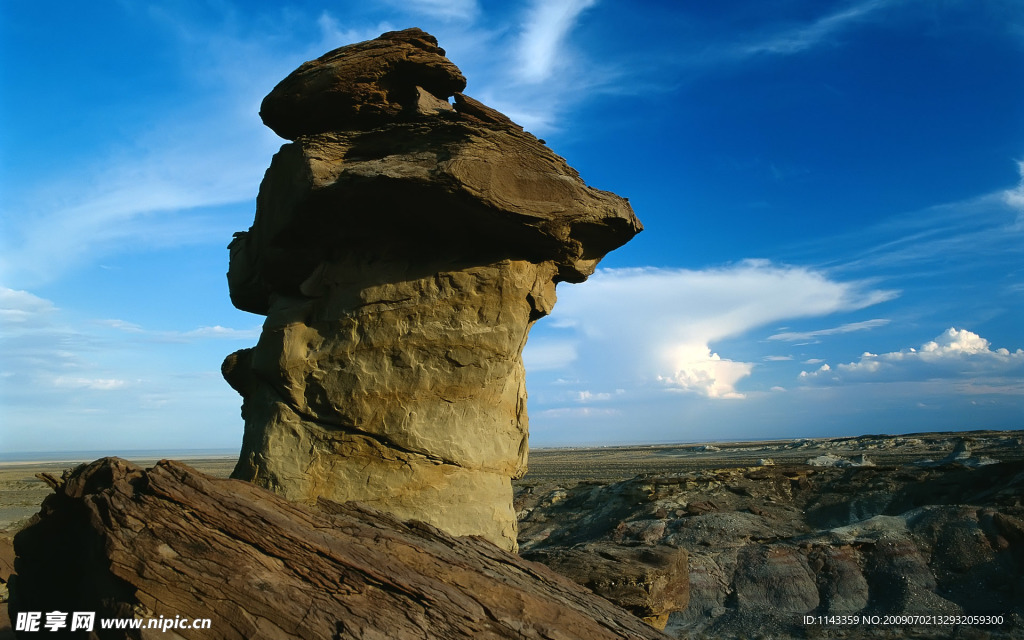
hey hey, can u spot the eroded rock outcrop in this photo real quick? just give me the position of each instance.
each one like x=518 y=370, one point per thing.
x=650 y=582
x=403 y=247
x=170 y=543
x=768 y=545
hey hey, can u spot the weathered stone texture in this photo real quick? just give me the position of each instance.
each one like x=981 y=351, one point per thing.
x=650 y=582
x=767 y=545
x=361 y=84
x=401 y=251
x=169 y=541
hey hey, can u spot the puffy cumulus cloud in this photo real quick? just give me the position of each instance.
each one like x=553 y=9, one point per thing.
x=656 y=326
x=957 y=341
x=955 y=354
x=698 y=369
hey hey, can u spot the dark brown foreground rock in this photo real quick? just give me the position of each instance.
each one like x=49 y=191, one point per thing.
x=6 y=569
x=651 y=582
x=170 y=541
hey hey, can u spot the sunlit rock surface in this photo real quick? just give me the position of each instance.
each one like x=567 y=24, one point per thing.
x=403 y=246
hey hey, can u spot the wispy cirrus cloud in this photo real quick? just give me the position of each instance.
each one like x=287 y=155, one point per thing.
x=931 y=241
x=1014 y=198
x=547 y=24
x=794 y=336
x=165 y=179
x=109 y=375
x=96 y=384
x=20 y=307
x=714 y=45
x=218 y=331
x=802 y=38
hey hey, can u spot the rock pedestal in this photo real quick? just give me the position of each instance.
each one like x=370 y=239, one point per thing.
x=403 y=246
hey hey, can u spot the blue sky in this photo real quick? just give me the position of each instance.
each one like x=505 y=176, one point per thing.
x=833 y=195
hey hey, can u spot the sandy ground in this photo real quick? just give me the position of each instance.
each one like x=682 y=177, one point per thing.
x=611 y=464
x=21 y=492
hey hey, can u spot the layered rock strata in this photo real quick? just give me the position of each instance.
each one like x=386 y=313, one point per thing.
x=403 y=246
x=766 y=546
x=170 y=544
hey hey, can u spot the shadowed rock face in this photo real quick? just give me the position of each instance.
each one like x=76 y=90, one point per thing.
x=401 y=251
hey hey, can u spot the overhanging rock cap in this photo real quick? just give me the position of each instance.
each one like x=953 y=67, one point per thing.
x=361 y=84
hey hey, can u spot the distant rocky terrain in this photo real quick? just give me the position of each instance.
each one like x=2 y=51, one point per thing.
x=743 y=540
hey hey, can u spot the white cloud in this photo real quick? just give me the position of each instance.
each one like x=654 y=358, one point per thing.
x=218 y=331
x=955 y=354
x=153 y=184
x=22 y=307
x=822 y=371
x=121 y=325
x=658 y=325
x=698 y=369
x=794 y=336
x=92 y=384
x=576 y=412
x=955 y=341
x=942 y=237
x=136 y=199
x=547 y=24
x=96 y=384
x=799 y=39
x=1015 y=197
x=587 y=396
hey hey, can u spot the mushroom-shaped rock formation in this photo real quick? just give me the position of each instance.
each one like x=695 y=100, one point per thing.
x=402 y=249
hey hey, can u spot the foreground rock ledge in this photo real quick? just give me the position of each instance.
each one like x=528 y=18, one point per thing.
x=402 y=248
x=171 y=541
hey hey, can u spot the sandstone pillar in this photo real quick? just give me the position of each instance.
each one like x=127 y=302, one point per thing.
x=403 y=247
